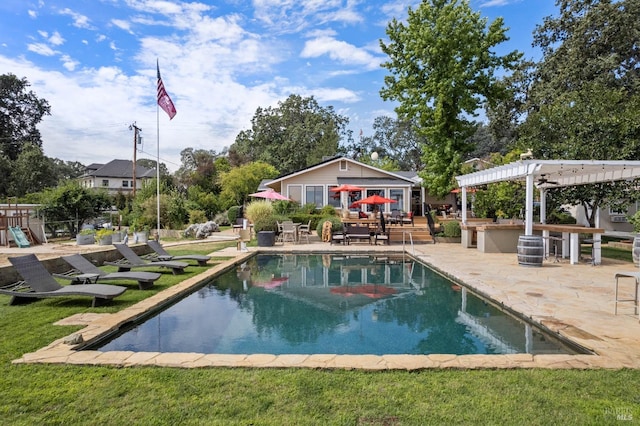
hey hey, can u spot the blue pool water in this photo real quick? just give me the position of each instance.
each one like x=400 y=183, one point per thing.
x=337 y=304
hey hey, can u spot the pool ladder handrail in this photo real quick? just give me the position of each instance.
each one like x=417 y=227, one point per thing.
x=413 y=250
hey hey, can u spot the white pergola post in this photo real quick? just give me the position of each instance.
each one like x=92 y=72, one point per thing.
x=528 y=218
x=464 y=204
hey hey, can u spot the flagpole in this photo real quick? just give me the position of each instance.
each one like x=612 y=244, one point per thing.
x=158 y=163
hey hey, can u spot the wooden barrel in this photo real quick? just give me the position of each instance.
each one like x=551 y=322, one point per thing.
x=530 y=250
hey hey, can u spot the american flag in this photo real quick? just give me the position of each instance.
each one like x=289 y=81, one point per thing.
x=164 y=100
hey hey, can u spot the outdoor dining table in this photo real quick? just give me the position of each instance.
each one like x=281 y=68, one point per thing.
x=571 y=240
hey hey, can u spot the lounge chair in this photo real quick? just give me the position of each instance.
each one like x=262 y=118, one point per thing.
x=160 y=254
x=132 y=260
x=39 y=283
x=84 y=272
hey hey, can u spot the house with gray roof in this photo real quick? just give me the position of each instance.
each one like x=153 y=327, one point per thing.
x=115 y=176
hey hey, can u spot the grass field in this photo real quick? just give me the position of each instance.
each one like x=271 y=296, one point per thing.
x=69 y=394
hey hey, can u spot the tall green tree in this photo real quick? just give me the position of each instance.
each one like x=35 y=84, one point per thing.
x=295 y=134
x=443 y=69
x=20 y=112
x=199 y=168
x=241 y=181
x=584 y=99
x=31 y=172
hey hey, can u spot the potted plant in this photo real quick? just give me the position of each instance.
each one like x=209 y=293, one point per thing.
x=451 y=232
x=140 y=232
x=265 y=228
x=86 y=236
x=104 y=237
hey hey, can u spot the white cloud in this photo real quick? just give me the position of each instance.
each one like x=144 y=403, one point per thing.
x=56 y=39
x=41 y=49
x=79 y=20
x=32 y=14
x=493 y=3
x=340 y=51
x=122 y=24
x=69 y=63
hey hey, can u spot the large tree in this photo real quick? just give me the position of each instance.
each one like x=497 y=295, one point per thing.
x=20 y=112
x=443 y=66
x=394 y=140
x=584 y=99
x=199 y=168
x=241 y=181
x=295 y=134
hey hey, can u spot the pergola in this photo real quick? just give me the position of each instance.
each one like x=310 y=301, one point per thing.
x=545 y=174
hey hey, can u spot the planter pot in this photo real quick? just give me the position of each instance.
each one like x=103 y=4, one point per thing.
x=635 y=251
x=116 y=237
x=266 y=238
x=84 y=240
x=107 y=240
x=140 y=237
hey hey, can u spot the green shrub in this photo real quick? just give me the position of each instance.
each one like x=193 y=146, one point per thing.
x=197 y=216
x=266 y=223
x=87 y=231
x=232 y=213
x=336 y=224
x=452 y=229
x=308 y=208
x=328 y=211
x=257 y=210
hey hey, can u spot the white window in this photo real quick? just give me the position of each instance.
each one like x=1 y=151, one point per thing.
x=344 y=166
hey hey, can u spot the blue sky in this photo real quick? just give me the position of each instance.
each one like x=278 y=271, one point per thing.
x=94 y=62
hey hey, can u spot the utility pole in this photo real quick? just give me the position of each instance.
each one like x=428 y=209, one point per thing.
x=136 y=139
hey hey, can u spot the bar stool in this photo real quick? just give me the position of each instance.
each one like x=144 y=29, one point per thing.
x=636 y=277
x=551 y=239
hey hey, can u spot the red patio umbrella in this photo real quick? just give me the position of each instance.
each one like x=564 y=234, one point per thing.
x=373 y=200
x=346 y=188
x=269 y=195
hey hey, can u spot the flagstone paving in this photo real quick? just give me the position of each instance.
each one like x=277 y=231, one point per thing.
x=575 y=301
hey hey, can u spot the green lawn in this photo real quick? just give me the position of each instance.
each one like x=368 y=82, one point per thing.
x=57 y=394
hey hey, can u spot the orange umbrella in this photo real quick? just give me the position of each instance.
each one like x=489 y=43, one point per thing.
x=373 y=199
x=346 y=188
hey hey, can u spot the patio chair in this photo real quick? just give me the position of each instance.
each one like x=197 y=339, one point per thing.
x=39 y=283
x=160 y=254
x=238 y=225
x=132 y=260
x=85 y=272
x=396 y=217
x=304 y=231
x=288 y=231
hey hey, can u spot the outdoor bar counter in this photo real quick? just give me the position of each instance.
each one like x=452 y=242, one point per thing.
x=503 y=238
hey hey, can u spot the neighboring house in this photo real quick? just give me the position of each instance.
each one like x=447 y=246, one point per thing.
x=313 y=184
x=115 y=176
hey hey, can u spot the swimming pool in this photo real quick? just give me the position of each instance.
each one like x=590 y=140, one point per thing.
x=332 y=303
